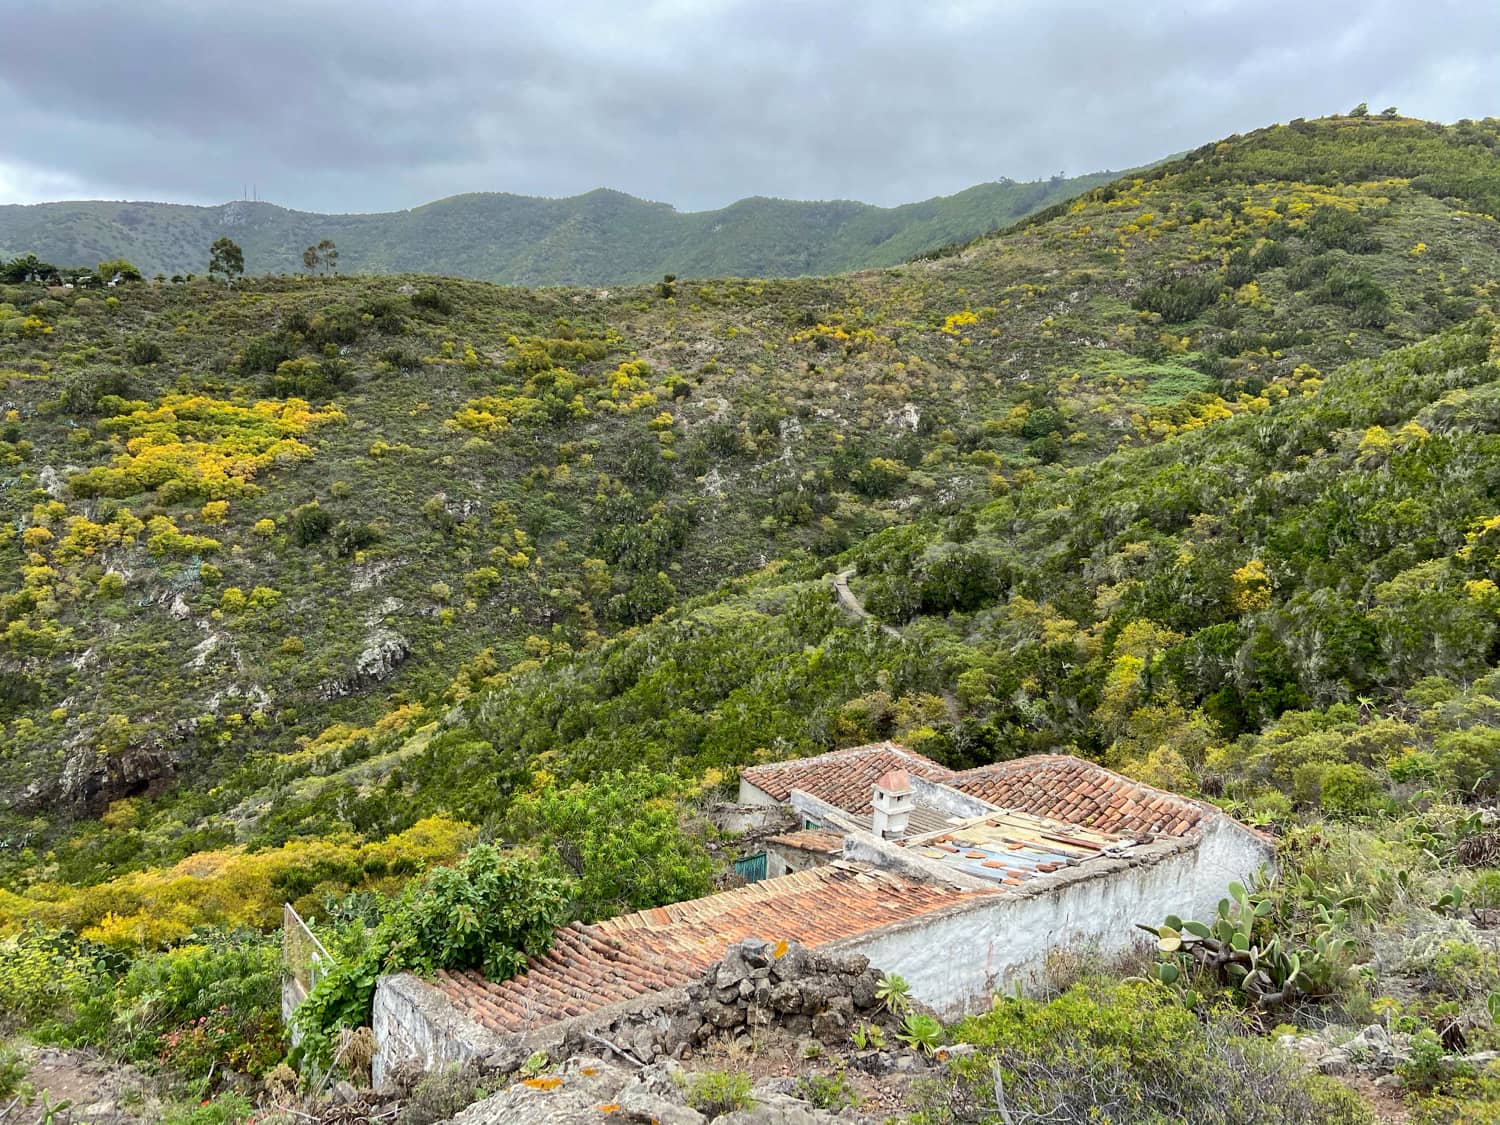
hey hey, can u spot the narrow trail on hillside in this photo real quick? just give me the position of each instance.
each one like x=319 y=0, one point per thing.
x=856 y=608
x=851 y=605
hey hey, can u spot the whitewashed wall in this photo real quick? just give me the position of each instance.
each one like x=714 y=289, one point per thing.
x=413 y=1020
x=956 y=959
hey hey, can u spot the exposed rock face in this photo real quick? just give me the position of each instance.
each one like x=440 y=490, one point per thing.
x=384 y=651
x=90 y=780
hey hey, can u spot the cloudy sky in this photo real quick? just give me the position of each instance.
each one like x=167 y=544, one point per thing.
x=365 y=105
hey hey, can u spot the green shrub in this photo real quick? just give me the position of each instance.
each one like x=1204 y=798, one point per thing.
x=827 y=1091
x=143 y=350
x=13 y=1071
x=309 y=523
x=490 y=911
x=1348 y=790
x=1182 y=298
x=1127 y=1054
x=226 y=1109
x=440 y=1094
x=715 y=1092
x=430 y=299
x=1469 y=759
x=42 y=976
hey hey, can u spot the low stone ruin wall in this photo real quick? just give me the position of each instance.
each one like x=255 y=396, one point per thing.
x=759 y=984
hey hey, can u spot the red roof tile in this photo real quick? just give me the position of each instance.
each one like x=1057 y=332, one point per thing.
x=591 y=967
x=843 y=778
x=811 y=840
x=1064 y=788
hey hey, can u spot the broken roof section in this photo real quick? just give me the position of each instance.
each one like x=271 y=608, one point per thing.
x=1009 y=848
x=591 y=967
x=1056 y=787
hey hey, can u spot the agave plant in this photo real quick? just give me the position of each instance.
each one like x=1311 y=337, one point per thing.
x=894 y=993
x=921 y=1033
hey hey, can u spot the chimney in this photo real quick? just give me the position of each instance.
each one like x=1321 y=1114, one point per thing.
x=893 y=803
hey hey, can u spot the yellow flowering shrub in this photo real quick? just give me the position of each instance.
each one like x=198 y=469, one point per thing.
x=194 y=445
x=232 y=887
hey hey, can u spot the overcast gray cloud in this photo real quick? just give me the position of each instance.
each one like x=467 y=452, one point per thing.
x=357 y=105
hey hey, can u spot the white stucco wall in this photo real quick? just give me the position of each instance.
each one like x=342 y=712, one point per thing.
x=413 y=1020
x=956 y=959
x=754 y=795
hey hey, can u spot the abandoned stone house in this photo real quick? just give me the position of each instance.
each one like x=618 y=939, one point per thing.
x=961 y=882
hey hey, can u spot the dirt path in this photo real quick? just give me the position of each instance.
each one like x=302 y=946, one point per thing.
x=80 y=1088
x=854 y=607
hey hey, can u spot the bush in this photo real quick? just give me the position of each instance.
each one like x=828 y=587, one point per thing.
x=490 y=911
x=1348 y=790
x=440 y=1094
x=715 y=1092
x=1128 y=1054
x=143 y=350
x=831 y=1092
x=309 y=523
x=348 y=537
x=1180 y=298
x=402 y=358
x=430 y=298
x=226 y=1109
x=42 y=976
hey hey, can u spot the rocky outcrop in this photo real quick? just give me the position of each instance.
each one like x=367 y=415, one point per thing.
x=384 y=651
x=89 y=780
x=1373 y=1051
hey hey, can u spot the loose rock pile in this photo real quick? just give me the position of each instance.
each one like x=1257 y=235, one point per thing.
x=758 y=985
x=586 y=1091
x=1372 y=1050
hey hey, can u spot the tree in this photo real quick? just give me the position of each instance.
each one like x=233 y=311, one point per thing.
x=227 y=258
x=118 y=269
x=324 y=254
x=1361 y=110
x=621 y=837
x=27 y=268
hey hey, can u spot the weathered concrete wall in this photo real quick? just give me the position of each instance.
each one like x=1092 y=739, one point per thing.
x=412 y=1020
x=754 y=795
x=945 y=798
x=956 y=959
x=783 y=859
x=292 y=996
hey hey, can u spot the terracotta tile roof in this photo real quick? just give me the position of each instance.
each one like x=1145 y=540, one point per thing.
x=591 y=967
x=1068 y=789
x=843 y=778
x=811 y=840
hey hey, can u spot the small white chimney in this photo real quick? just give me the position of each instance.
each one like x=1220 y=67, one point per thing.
x=893 y=803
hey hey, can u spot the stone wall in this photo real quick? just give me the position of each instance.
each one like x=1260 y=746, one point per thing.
x=760 y=984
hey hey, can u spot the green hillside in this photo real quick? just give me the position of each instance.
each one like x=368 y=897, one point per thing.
x=602 y=238
x=306 y=581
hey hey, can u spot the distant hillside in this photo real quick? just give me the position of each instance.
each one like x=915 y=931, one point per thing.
x=601 y=238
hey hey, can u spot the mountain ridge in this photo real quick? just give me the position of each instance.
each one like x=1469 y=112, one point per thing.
x=599 y=237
